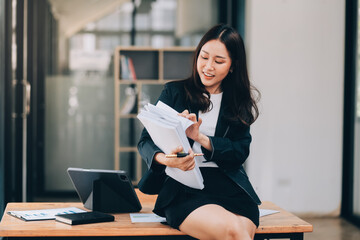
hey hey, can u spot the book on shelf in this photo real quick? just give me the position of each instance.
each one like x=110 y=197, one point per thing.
x=167 y=130
x=127 y=69
x=131 y=69
x=85 y=217
x=130 y=100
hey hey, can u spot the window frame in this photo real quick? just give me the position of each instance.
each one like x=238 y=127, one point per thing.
x=350 y=74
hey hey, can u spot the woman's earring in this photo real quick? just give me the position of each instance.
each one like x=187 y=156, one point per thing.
x=231 y=70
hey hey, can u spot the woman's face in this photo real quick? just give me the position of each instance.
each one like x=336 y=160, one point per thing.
x=213 y=65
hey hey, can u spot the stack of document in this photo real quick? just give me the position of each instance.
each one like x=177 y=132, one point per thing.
x=44 y=214
x=167 y=130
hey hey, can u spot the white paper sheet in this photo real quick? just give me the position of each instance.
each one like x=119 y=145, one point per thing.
x=265 y=212
x=43 y=214
x=152 y=217
x=146 y=217
x=167 y=131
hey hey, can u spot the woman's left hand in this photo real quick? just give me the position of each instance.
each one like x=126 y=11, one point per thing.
x=192 y=131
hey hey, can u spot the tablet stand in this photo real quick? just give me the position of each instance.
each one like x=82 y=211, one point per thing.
x=105 y=199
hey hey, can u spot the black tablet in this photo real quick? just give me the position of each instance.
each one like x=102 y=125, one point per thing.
x=105 y=190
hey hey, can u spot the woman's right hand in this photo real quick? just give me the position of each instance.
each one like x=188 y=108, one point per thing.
x=183 y=163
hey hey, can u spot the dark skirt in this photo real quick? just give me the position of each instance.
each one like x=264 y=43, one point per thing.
x=176 y=201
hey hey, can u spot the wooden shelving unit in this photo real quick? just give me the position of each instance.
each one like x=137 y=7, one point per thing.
x=153 y=68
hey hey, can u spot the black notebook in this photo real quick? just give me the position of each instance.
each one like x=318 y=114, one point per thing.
x=85 y=217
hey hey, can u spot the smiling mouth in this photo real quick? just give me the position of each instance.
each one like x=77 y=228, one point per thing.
x=208 y=75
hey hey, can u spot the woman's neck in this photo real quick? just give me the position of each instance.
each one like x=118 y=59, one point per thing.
x=216 y=90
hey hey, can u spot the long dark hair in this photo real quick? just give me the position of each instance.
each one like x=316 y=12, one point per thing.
x=236 y=85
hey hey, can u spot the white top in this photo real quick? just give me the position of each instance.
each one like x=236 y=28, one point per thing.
x=209 y=121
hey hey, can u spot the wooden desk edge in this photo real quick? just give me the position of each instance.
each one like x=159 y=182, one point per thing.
x=7 y=229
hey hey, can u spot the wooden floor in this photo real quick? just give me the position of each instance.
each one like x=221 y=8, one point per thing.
x=332 y=229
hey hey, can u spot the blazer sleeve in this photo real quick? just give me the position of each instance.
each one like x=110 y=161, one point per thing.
x=146 y=146
x=232 y=150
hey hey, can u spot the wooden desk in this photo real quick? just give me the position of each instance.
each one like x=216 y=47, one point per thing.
x=279 y=225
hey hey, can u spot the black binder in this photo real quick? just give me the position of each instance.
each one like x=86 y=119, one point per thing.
x=109 y=191
x=85 y=217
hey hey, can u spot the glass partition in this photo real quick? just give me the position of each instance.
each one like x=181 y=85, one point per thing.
x=356 y=173
x=79 y=121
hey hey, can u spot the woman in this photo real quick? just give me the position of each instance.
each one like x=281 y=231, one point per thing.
x=218 y=99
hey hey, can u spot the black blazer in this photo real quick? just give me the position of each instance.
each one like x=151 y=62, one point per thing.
x=230 y=144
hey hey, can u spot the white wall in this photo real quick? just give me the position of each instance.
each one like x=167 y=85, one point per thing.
x=296 y=59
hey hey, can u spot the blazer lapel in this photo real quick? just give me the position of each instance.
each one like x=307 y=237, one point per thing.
x=222 y=124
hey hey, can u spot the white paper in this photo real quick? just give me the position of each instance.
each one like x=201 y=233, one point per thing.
x=146 y=217
x=265 y=212
x=167 y=130
x=152 y=217
x=185 y=123
x=43 y=214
